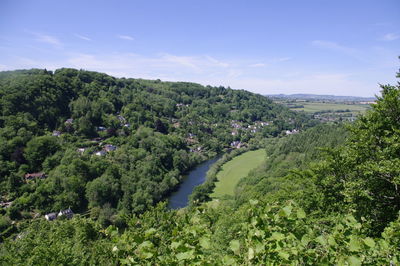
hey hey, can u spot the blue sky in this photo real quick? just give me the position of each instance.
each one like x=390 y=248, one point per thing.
x=322 y=47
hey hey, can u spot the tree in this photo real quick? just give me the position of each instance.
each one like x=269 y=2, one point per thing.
x=38 y=149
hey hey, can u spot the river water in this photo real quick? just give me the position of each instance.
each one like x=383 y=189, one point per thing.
x=197 y=176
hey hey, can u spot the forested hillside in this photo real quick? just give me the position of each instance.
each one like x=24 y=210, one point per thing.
x=107 y=147
x=306 y=205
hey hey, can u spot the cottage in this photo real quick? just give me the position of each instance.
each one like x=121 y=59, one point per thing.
x=100 y=153
x=121 y=119
x=67 y=213
x=236 y=144
x=81 y=150
x=31 y=176
x=109 y=147
x=5 y=204
x=56 y=133
x=51 y=216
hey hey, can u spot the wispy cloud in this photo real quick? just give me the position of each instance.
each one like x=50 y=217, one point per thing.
x=257 y=65
x=126 y=37
x=206 y=69
x=281 y=59
x=45 y=38
x=338 y=48
x=217 y=62
x=332 y=46
x=391 y=37
x=3 y=67
x=82 y=37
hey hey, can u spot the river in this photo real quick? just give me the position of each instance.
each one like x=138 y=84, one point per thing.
x=197 y=176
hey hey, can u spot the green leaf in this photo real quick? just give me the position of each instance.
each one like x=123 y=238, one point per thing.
x=354 y=261
x=286 y=211
x=301 y=214
x=146 y=244
x=369 y=242
x=175 y=245
x=235 y=246
x=149 y=232
x=332 y=241
x=305 y=240
x=253 y=202
x=147 y=255
x=251 y=254
x=277 y=236
x=284 y=255
x=354 y=244
x=205 y=242
x=321 y=240
x=228 y=260
x=185 y=255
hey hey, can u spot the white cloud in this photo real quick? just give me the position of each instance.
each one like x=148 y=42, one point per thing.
x=125 y=37
x=390 y=37
x=281 y=59
x=217 y=62
x=205 y=69
x=187 y=61
x=3 y=67
x=82 y=37
x=258 y=65
x=335 y=47
x=332 y=46
x=47 y=39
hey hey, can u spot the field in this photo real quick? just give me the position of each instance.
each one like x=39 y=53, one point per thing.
x=236 y=169
x=312 y=107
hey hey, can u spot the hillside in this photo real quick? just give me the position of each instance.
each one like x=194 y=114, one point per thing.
x=108 y=147
x=326 y=195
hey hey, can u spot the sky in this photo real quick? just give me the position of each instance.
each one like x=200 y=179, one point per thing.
x=268 y=47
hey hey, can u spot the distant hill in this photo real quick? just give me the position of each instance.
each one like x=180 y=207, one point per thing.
x=322 y=97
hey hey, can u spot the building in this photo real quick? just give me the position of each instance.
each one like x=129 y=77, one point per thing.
x=31 y=176
x=51 y=216
x=56 y=133
x=67 y=213
x=109 y=147
x=100 y=153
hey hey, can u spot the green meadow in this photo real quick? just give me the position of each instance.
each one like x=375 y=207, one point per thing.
x=312 y=107
x=234 y=170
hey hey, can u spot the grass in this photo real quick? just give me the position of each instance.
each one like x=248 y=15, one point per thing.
x=234 y=170
x=312 y=107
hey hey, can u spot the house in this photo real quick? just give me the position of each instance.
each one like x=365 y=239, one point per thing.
x=109 y=147
x=67 y=213
x=31 y=176
x=294 y=131
x=236 y=144
x=56 y=133
x=69 y=121
x=5 y=204
x=100 y=153
x=51 y=216
x=121 y=119
x=81 y=150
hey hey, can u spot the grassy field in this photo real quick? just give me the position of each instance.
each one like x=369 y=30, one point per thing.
x=236 y=169
x=312 y=107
